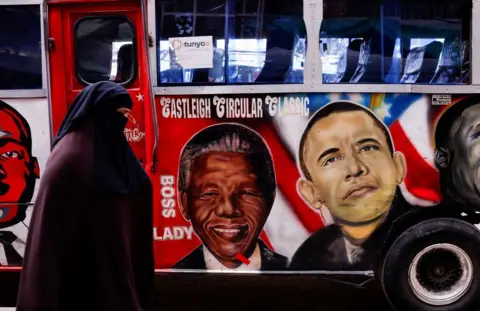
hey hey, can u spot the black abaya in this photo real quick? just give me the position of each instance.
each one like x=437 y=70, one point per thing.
x=90 y=239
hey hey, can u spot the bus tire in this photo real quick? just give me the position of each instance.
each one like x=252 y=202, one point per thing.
x=434 y=265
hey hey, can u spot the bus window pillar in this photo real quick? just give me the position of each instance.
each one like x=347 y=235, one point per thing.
x=313 y=16
x=475 y=34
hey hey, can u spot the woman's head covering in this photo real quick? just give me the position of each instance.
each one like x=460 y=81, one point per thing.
x=116 y=168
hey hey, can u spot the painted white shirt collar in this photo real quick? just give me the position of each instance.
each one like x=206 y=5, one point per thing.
x=213 y=264
x=353 y=251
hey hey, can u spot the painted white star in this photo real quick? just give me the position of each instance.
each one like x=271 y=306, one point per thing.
x=139 y=97
x=383 y=111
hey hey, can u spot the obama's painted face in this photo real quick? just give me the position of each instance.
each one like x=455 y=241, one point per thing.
x=353 y=172
x=18 y=168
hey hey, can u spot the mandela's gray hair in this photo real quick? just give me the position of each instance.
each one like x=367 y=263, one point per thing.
x=229 y=137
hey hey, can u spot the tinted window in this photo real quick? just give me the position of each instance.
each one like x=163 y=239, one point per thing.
x=396 y=41
x=105 y=49
x=254 y=41
x=20 y=47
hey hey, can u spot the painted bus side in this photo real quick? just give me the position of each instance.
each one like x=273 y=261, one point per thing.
x=224 y=137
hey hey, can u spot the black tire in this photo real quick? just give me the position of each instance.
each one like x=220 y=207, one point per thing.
x=394 y=273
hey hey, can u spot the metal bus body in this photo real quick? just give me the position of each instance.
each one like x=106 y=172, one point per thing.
x=251 y=74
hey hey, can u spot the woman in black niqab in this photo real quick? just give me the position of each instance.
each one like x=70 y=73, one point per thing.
x=90 y=244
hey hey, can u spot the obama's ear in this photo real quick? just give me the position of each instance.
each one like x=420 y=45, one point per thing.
x=307 y=191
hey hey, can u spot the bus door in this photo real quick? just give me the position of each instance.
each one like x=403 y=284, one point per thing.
x=92 y=41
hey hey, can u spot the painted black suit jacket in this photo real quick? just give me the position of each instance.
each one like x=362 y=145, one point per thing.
x=270 y=260
x=326 y=250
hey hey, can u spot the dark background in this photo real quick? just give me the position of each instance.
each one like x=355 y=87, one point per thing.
x=215 y=292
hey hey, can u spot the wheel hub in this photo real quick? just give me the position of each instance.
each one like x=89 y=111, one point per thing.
x=440 y=274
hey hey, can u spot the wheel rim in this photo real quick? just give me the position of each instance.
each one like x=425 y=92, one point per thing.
x=440 y=274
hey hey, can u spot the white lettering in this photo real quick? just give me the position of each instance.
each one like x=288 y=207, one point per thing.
x=175 y=233
x=187 y=109
x=229 y=108
x=165 y=103
x=288 y=106
x=167 y=192
x=271 y=102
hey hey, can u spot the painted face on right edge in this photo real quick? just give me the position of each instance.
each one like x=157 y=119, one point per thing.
x=352 y=169
x=226 y=205
x=465 y=166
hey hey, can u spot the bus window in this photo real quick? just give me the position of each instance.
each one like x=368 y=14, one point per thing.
x=105 y=49
x=254 y=41
x=20 y=47
x=395 y=41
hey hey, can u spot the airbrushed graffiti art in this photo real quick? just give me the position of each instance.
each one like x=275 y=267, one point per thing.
x=226 y=190
x=306 y=182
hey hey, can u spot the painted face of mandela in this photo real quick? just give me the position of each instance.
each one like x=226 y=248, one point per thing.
x=226 y=204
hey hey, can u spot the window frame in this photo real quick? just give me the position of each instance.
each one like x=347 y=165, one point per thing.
x=134 y=75
x=313 y=16
x=41 y=92
x=197 y=86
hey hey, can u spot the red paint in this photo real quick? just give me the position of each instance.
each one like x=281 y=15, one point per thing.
x=243 y=259
x=423 y=176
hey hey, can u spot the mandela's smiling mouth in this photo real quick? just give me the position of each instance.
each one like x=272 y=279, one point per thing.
x=231 y=233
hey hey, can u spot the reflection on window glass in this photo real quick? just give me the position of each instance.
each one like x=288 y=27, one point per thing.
x=20 y=47
x=104 y=49
x=396 y=41
x=254 y=41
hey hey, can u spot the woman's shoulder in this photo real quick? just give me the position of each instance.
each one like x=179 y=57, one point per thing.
x=70 y=160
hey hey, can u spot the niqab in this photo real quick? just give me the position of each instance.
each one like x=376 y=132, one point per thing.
x=116 y=169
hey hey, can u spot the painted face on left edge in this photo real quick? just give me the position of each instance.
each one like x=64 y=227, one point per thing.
x=225 y=205
x=466 y=160
x=17 y=168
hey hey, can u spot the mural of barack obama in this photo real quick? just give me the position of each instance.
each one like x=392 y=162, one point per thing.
x=226 y=190
x=351 y=169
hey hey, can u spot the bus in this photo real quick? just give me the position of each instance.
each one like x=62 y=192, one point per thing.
x=335 y=138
